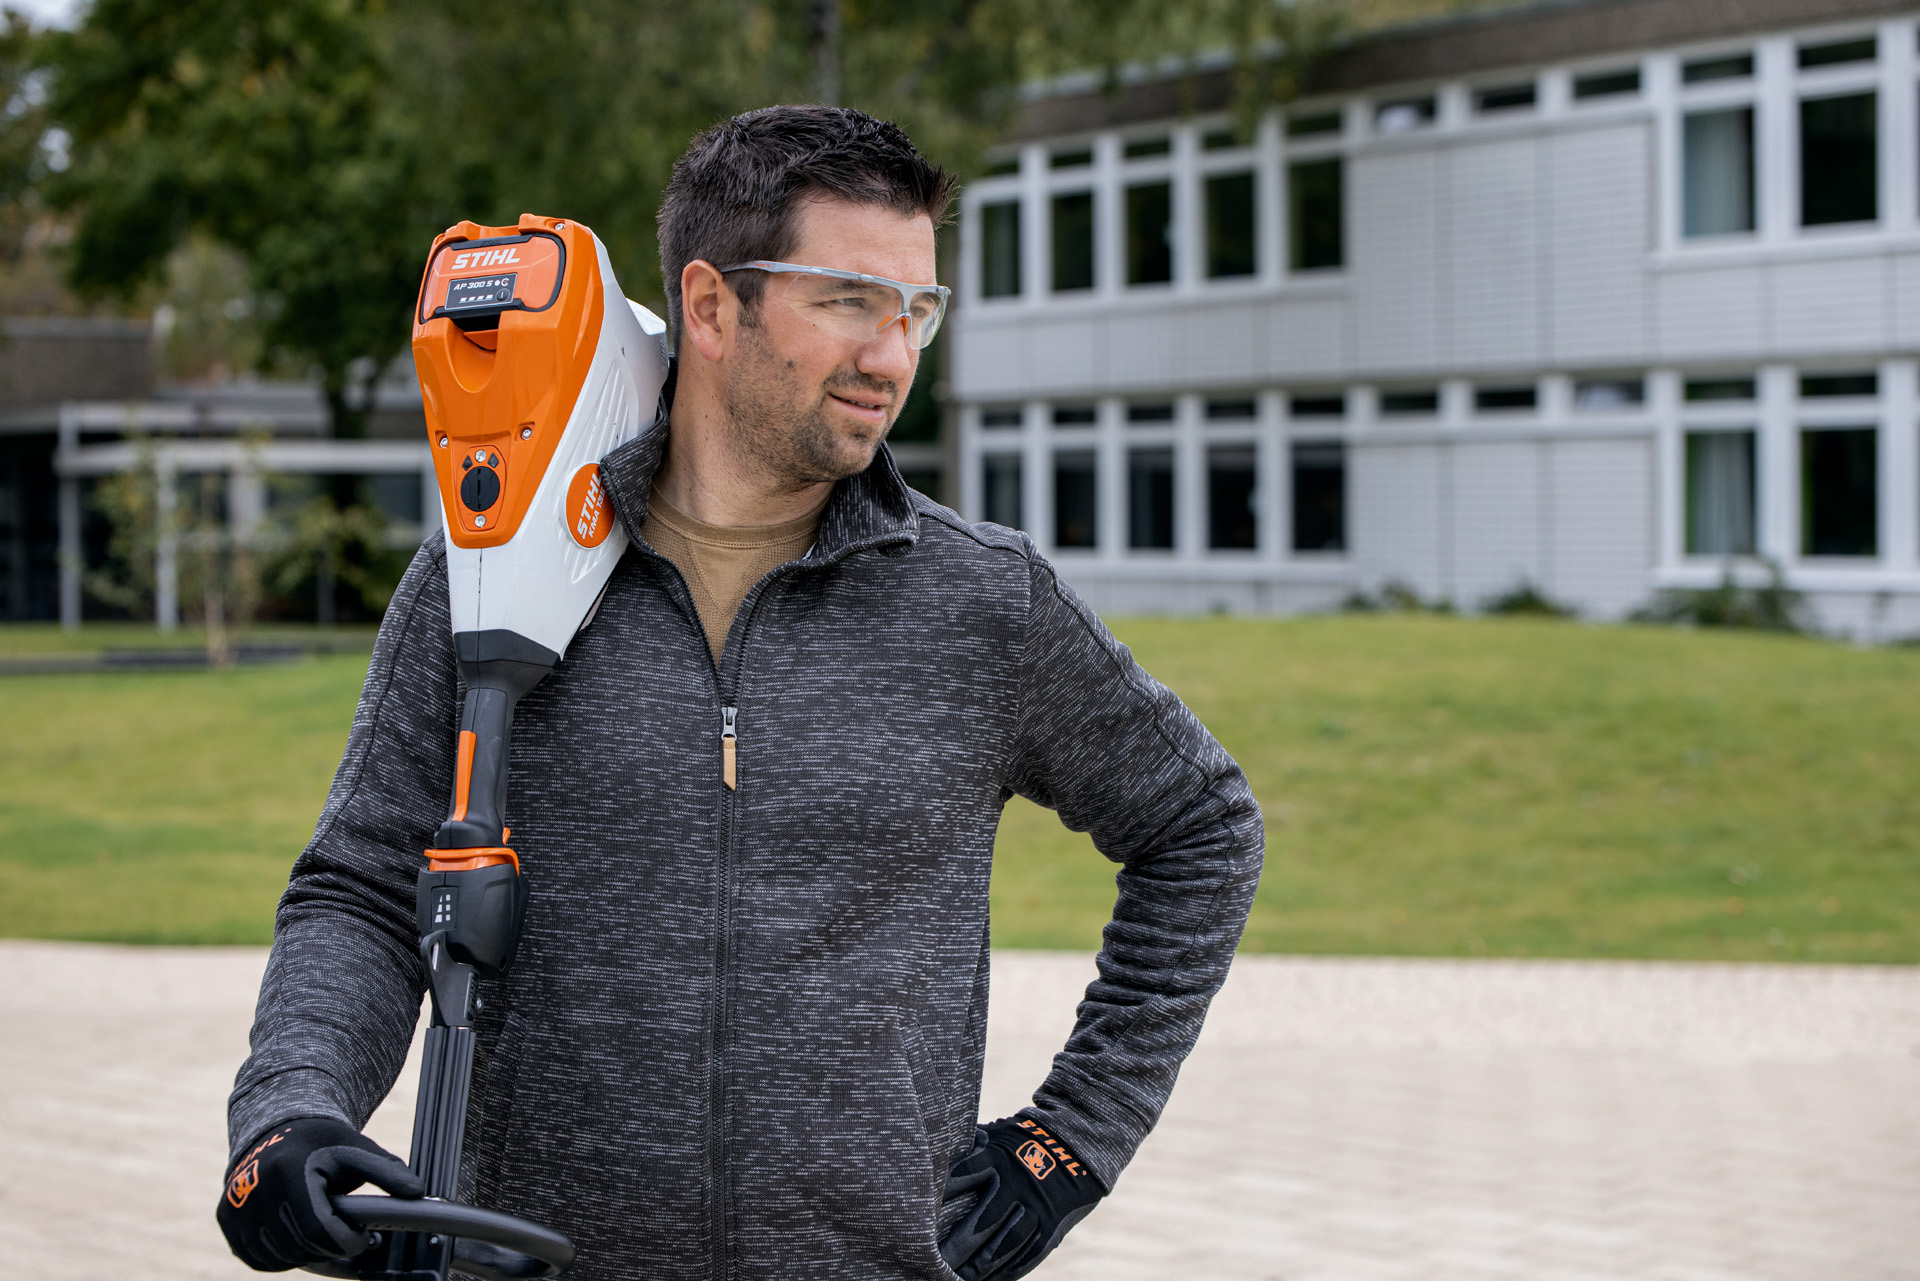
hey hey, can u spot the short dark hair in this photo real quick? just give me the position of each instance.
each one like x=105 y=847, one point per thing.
x=735 y=194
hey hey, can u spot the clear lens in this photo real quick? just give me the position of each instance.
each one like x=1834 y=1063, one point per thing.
x=859 y=310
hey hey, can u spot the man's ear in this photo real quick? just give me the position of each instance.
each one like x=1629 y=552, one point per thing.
x=708 y=309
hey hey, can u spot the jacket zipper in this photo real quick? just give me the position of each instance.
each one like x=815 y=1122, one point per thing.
x=729 y=744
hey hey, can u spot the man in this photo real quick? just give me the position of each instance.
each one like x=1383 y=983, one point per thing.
x=756 y=806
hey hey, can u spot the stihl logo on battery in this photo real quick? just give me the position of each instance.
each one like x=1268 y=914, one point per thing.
x=485 y=257
x=589 y=519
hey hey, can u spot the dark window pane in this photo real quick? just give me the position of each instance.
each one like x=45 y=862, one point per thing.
x=1839 y=500
x=1319 y=496
x=1000 y=168
x=1160 y=413
x=1736 y=67
x=1720 y=389
x=1720 y=493
x=1150 y=498
x=1859 y=384
x=1230 y=225
x=1827 y=55
x=1139 y=147
x=1230 y=498
x=1219 y=140
x=1600 y=394
x=1603 y=84
x=1073 y=415
x=1000 y=416
x=1000 y=249
x=1503 y=97
x=1074 y=159
x=1150 y=234
x=1405 y=114
x=1073 y=241
x=1316 y=200
x=1839 y=169
x=924 y=479
x=1505 y=397
x=1076 y=488
x=396 y=494
x=1000 y=489
x=1315 y=125
x=1227 y=410
x=1317 y=407
x=1410 y=402
x=1717 y=187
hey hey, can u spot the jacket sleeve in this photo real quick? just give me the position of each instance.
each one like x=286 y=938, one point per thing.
x=1120 y=757
x=342 y=990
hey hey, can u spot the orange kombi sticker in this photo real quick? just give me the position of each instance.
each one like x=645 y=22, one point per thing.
x=1035 y=1158
x=589 y=519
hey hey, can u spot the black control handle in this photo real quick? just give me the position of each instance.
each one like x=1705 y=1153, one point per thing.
x=489 y=1245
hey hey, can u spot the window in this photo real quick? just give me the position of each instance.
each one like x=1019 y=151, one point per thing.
x=1073 y=241
x=1000 y=416
x=1403 y=115
x=1597 y=395
x=1717 y=156
x=1230 y=225
x=1231 y=518
x=1406 y=403
x=1333 y=406
x=924 y=479
x=1827 y=55
x=1139 y=148
x=1314 y=124
x=1319 y=496
x=1720 y=493
x=1150 y=499
x=1499 y=398
x=1709 y=389
x=1156 y=413
x=1732 y=67
x=1000 y=249
x=1077 y=158
x=1150 y=234
x=1497 y=98
x=1076 y=490
x=1073 y=416
x=1606 y=84
x=1839 y=496
x=1231 y=410
x=1813 y=386
x=1839 y=173
x=1000 y=489
x=1219 y=140
x=1003 y=166
x=1317 y=212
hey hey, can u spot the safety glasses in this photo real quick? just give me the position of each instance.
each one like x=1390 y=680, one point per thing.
x=856 y=305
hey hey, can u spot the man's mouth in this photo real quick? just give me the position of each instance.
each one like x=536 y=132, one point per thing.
x=864 y=406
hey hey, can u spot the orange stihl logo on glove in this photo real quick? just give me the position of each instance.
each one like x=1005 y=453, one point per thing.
x=247 y=1177
x=1039 y=1153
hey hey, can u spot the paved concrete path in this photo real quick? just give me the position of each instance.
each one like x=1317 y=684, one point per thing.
x=1341 y=1119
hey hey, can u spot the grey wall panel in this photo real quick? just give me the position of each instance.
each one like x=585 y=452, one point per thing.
x=1222 y=346
x=1396 y=525
x=1307 y=337
x=1061 y=354
x=989 y=361
x=1496 y=519
x=1904 y=283
x=1396 y=228
x=1711 y=313
x=1600 y=235
x=1492 y=308
x=1837 y=305
x=1602 y=532
x=1143 y=349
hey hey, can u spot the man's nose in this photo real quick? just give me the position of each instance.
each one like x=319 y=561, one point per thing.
x=889 y=354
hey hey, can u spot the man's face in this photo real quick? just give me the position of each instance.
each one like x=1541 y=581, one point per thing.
x=807 y=404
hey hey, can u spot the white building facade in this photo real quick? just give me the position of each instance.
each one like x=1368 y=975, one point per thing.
x=1594 y=297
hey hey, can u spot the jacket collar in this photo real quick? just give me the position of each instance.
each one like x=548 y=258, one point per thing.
x=871 y=509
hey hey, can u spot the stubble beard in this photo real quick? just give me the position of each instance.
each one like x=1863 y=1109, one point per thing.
x=781 y=427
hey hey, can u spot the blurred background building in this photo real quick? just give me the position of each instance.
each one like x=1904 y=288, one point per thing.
x=1596 y=297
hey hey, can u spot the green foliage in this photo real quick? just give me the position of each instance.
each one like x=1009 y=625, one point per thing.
x=1527 y=600
x=1771 y=606
x=1394 y=597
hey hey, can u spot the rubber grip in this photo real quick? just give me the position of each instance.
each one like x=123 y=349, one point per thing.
x=550 y=1252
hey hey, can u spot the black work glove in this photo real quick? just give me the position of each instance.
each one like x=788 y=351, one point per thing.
x=1031 y=1191
x=276 y=1210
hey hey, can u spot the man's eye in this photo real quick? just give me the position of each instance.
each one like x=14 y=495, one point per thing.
x=849 y=304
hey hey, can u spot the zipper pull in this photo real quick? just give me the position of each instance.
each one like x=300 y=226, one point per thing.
x=729 y=744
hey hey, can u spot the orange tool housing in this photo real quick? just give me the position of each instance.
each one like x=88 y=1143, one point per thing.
x=503 y=337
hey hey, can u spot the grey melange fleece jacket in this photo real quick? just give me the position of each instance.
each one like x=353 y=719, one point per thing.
x=744 y=1035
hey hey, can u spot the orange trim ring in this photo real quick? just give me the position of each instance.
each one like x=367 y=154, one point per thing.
x=471 y=859
x=463 y=773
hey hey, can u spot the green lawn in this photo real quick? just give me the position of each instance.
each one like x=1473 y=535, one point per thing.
x=1431 y=786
